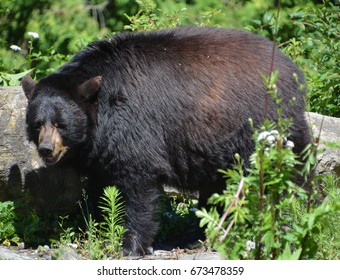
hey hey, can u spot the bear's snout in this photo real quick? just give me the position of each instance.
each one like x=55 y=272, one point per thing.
x=45 y=149
x=50 y=146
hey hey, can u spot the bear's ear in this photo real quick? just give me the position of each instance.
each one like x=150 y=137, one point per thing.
x=89 y=89
x=28 y=85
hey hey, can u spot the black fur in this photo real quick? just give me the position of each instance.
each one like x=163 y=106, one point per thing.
x=173 y=108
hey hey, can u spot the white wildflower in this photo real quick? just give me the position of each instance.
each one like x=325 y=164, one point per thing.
x=271 y=140
x=269 y=136
x=263 y=135
x=275 y=132
x=21 y=245
x=72 y=245
x=289 y=145
x=35 y=35
x=250 y=245
x=15 y=48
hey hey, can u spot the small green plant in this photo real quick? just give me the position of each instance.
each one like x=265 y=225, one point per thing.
x=255 y=203
x=91 y=240
x=8 y=233
x=112 y=229
x=328 y=238
x=67 y=235
x=103 y=240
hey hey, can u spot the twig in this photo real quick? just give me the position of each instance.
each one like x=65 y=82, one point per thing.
x=273 y=53
x=226 y=213
x=226 y=231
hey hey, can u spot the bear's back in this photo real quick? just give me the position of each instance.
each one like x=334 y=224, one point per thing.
x=188 y=68
x=186 y=91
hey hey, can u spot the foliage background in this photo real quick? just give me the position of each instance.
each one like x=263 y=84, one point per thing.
x=308 y=31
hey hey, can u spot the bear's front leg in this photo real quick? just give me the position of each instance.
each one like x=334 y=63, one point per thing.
x=141 y=207
x=141 y=203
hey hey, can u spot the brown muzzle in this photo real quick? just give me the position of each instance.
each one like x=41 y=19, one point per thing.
x=50 y=146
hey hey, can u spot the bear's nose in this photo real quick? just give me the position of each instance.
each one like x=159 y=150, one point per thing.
x=45 y=150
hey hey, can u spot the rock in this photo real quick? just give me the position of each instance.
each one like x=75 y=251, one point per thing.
x=66 y=253
x=10 y=254
x=201 y=256
x=179 y=254
x=21 y=170
x=42 y=253
x=328 y=129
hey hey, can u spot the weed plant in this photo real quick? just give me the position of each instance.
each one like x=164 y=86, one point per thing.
x=103 y=240
x=8 y=233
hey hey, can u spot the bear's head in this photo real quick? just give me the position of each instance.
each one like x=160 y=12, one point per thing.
x=60 y=115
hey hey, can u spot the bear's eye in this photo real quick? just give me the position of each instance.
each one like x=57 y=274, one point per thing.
x=37 y=125
x=59 y=125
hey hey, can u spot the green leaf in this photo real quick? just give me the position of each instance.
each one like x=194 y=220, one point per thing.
x=268 y=239
x=291 y=237
x=12 y=79
x=334 y=145
x=287 y=254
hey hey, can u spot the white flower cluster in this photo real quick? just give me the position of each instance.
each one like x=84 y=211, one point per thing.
x=35 y=35
x=271 y=137
x=15 y=48
x=289 y=145
x=250 y=245
x=73 y=245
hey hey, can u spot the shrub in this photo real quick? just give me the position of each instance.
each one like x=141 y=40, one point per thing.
x=317 y=52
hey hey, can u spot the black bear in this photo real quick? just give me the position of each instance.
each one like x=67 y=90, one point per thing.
x=144 y=109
